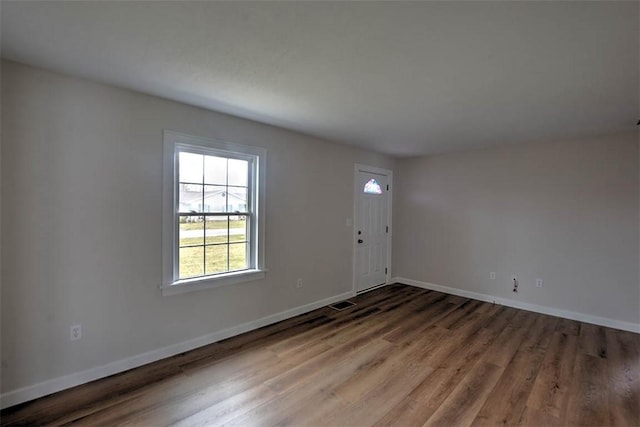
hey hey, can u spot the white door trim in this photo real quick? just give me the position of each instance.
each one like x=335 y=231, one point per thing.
x=358 y=167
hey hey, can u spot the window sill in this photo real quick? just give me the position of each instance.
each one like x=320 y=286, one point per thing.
x=202 y=283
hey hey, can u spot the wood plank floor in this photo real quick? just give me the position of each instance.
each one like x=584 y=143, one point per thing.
x=402 y=356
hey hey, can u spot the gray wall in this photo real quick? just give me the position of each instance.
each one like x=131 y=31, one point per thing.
x=566 y=212
x=81 y=221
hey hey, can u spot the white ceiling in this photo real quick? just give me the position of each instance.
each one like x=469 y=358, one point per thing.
x=403 y=78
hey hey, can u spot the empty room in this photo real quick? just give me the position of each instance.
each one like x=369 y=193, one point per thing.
x=320 y=213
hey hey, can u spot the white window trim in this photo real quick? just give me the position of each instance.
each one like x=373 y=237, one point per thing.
x=170 y=284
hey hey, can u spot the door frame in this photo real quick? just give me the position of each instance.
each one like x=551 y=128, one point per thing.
x=357 y=168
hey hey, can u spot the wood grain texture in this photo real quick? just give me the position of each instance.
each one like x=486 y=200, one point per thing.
x=402 y=356
x=507 y=400
x=551 y=388
x=624 y=377
x=588 y=396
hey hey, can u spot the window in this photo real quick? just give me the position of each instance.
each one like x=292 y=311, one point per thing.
x=372 y=187
x=213 y=214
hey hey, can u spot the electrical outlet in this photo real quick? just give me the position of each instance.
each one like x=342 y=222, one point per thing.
x=538 y=283
x=75 y=332
x=514 y=282
x=299 y=283
x=492 y=275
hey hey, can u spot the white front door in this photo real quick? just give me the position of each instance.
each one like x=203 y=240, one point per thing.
x=371 y=229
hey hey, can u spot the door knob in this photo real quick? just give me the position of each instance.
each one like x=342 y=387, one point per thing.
x=360 y=241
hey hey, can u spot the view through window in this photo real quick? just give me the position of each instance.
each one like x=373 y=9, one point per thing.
x=214 y=214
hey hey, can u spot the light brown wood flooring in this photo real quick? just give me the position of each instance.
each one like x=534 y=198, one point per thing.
x=402 y=356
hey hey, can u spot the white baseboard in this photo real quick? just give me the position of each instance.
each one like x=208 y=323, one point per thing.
x=61 y=383
x=373 y=288
x=587 y=318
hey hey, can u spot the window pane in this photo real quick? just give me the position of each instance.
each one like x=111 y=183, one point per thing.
x=216 y=257
x=238 y=172
x=238 y=256
x=215 y=198
x=190 y=167
x=237 y=199
x=191 y=262
x=372 y=187
x=190 y=198
x=191 y=230
x=215 y=170
x=238 y=228
x=217 y=231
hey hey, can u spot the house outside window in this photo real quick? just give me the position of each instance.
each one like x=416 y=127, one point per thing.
x=213 y=213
